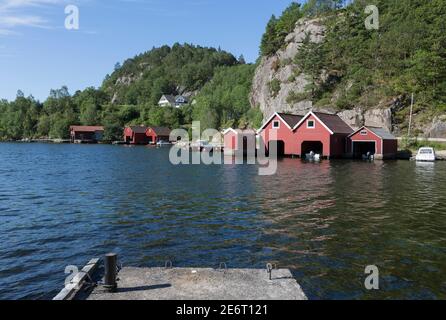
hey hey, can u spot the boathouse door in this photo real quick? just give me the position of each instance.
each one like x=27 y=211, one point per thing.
x=276 y=148
x=361 y=148
x=312 y=146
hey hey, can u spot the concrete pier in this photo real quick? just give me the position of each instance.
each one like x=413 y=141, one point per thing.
x=201 y=284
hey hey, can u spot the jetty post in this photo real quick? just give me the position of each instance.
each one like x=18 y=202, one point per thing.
x=111 y=269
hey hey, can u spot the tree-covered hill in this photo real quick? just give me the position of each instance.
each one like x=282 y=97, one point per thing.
x=223 y=102
x=180 y=69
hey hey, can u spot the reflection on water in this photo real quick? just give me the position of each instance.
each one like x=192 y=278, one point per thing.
x=64 y=204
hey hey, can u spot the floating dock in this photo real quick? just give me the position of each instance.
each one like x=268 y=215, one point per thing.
x=179 y=283
x=201 y=284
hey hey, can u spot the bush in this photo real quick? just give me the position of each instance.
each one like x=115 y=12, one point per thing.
x=274 y=87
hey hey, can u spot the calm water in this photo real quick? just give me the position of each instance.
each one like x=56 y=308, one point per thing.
x=64 y=204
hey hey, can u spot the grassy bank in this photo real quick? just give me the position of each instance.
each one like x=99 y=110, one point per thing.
x=414 y=144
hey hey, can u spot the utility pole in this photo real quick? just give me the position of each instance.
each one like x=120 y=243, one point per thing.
x=410 y=118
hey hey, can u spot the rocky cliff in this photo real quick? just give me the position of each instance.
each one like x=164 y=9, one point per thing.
x=281 y=69
x=276 y=79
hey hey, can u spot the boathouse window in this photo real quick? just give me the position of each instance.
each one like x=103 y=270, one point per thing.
x=363 y=132
x=311 y=124
x=276 y=124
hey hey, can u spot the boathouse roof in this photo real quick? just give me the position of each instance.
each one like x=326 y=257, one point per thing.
x=240 y=131
x=138 y=129
x=290 y=119
x=380 y=132
x=86 y=128
x=161 y=131
x=334 y=122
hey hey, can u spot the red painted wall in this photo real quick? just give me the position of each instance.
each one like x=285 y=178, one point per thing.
x=283 y=134
x=230 y=141
x=135 y=138
x=128 y=135
x=319 y=133
x=366 y=138
x=152 y=136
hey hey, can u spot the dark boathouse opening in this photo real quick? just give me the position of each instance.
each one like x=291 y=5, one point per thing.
x=276 y=148
x=361 y=148
x=312 y=146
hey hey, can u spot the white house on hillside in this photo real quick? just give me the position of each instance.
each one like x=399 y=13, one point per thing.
x=172 y=101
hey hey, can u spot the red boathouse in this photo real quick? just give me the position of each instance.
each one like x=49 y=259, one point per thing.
x=279 y=128
x=322 y=133
x=376 y=141
x=136 y=135
x=86 y=134
x=239 y=141
x=157 y=134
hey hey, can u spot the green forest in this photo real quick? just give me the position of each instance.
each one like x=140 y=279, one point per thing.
x=406 y=55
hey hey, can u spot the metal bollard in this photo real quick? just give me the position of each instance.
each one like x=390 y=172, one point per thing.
x=269 y=269
x=111 y=268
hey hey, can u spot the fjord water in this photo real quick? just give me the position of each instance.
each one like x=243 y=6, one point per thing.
x=65 y=204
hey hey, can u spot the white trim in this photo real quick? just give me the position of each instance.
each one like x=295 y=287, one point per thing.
x=278 y=124
x=228 y=130
x=276 y=114
x=368 y=130
x=317 y=118
x=355 y=132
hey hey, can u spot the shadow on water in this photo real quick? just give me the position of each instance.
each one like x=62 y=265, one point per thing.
x=64 y=204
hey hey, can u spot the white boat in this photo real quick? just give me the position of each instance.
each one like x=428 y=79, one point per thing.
x=368 y=157
x=162 y=143
x=426 y=155
x=200 y=145
x=313 y=157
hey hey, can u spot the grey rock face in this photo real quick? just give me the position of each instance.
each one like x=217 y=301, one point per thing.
x=379 y=118
x=437 y=129
x=358 y=117
x=354 y=118
x=282 y=68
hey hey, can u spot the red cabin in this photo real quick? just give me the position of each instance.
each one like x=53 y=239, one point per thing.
x=157 y=134
x=374 y=141
x=136 y=135
x=322 y=133
x=238 y=140
x=279 y=128
x=86 y=134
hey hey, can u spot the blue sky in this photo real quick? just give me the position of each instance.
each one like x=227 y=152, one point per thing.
x=37 y=53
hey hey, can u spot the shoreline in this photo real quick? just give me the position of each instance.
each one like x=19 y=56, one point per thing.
x=407 y=155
